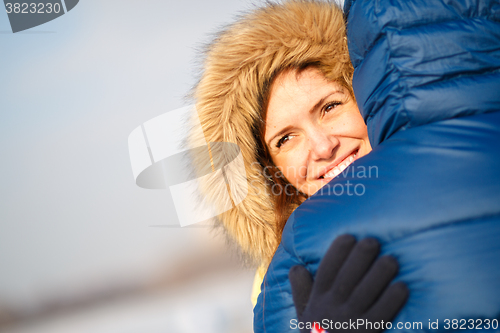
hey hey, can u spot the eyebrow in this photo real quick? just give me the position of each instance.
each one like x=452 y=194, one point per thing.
x=283 y=131
x=315 y=107
x=321 y=101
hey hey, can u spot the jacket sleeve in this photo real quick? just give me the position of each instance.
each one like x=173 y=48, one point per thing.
x=275 y=311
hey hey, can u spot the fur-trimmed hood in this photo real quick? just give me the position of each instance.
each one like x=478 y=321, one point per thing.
x=238 y=69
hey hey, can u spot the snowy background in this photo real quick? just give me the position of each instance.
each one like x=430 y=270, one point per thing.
x=80 y=246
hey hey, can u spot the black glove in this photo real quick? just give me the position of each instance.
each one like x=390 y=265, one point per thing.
x=350 y=285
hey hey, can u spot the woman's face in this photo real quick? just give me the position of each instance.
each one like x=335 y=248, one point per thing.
x=313 y=129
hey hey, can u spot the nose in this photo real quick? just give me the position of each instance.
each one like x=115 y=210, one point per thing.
x=322 y=145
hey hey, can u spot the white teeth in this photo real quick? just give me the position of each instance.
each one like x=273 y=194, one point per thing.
x=333 y=173
x=338 y=169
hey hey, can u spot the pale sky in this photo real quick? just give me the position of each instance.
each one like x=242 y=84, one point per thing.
x=72 y=91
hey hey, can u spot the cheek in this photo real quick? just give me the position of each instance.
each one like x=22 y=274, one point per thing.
x=362 y=133
x=293 y=166
x=359 y=131
x=353 y=125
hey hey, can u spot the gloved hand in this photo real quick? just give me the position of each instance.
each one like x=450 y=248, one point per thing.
x=349 y=285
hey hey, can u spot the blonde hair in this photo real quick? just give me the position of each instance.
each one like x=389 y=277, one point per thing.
x=232 y=93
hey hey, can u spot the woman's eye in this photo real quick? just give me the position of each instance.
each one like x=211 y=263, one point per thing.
x=330 y=106
x=283 y=140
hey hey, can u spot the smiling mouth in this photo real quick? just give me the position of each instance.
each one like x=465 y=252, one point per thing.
x=340 y=167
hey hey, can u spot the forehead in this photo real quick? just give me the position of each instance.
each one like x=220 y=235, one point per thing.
x=293 y=93
x=297 y=81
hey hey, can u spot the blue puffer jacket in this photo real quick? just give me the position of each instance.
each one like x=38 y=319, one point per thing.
x=427 y=81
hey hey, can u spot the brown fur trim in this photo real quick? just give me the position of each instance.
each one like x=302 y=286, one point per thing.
x=239 y=67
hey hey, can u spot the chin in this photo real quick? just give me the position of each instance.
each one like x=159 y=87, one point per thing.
x=311 y=188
